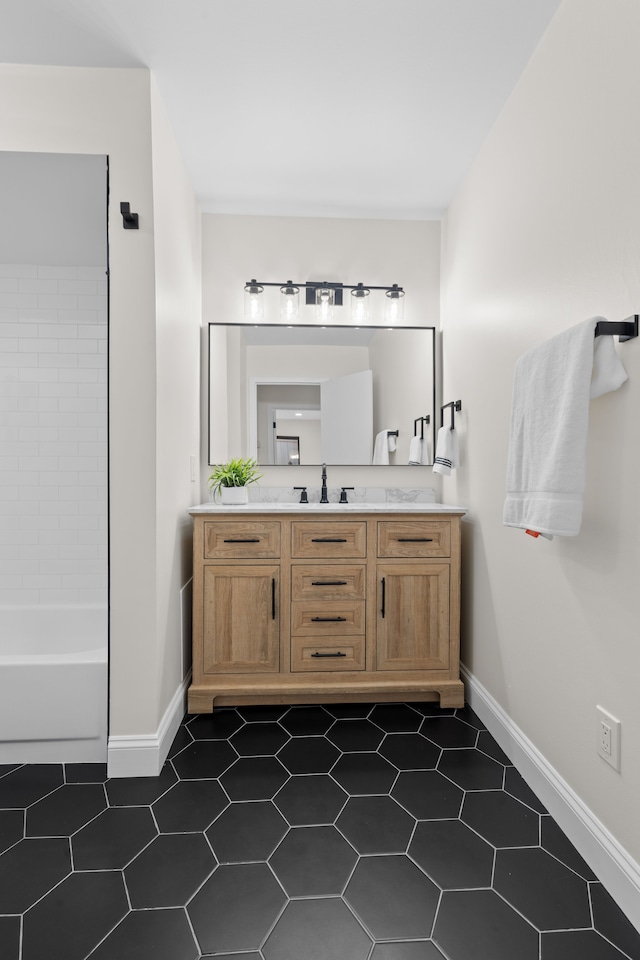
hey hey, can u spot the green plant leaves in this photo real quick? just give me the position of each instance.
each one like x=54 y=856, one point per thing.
x=236 y=473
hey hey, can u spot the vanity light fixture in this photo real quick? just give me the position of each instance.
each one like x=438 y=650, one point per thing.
x=325 y=298
x=394 y=306
x=324 y=295
x=253 y=301
x=289 y=302
x=360 y=304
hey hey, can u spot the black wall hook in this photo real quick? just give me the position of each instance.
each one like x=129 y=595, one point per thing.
x=129 y=220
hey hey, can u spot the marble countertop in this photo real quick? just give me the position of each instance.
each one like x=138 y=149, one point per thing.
x=315 y=508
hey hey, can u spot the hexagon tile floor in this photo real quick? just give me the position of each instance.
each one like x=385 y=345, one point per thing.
x=344 y=832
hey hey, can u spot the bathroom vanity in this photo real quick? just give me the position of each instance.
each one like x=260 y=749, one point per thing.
x=320 y=603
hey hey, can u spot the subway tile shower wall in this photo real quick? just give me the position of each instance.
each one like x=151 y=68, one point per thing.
x=53 y=435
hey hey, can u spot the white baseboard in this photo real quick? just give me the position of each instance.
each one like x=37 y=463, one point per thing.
x=144 y=756
x=612 y=864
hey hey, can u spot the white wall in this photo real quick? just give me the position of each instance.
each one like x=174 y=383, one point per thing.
x=236 y=248
x=178 y=312
x=395 y=361
x=545 y=232
x=75 y=110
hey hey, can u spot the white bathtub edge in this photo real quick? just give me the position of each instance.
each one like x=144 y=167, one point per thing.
x=131 y=756
x=612 y=864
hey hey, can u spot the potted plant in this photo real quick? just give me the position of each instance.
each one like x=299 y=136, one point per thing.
x=230 y=480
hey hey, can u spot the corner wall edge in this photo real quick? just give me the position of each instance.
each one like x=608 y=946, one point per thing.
x=144 y=756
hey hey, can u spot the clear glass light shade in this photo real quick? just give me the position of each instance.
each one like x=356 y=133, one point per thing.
x=360 y=305
x=394 y=304
x=253 y=302
x=325 y=299
x=289 y=303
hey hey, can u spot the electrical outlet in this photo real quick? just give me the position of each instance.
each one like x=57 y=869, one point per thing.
x=192 y=469
x=608 y=737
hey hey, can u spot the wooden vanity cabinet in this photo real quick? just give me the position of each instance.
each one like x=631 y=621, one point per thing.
x=311 y=609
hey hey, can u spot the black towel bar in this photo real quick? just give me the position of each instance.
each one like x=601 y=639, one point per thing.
x=628 y=329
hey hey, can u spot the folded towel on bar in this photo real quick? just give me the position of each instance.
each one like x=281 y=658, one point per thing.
x=416 y=452
x=384 y=443
x=546 y=464
x=446 y=458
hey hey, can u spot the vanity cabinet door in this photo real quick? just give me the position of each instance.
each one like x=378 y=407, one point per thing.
x=241 y=629
x=413 y=616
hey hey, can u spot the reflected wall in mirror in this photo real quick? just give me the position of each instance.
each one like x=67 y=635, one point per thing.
x=307 y=395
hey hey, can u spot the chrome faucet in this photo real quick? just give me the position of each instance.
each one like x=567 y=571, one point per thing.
x=323 y=495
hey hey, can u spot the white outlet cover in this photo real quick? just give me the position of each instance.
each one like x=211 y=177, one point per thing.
x=613 y=757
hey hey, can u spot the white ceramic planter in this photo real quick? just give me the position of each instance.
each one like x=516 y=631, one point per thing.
x=234 y=495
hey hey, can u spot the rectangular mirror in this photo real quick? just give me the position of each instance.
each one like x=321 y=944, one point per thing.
x=307 y=394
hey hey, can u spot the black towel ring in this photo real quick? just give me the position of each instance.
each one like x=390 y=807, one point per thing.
x=455 y=405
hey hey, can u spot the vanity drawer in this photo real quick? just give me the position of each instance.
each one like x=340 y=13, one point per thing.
x=240 y=539
x=328 y=582
x=340 y=538
x=327 y=618
x=414 y=538
x=341 y=653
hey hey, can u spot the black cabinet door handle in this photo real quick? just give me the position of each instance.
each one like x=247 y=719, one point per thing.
x=247 y=540
x=328 y=540
x=328 y=619
x=328 y=583
x=328 y=654
x=273 y=598
x=415 y=539
x=384 y=590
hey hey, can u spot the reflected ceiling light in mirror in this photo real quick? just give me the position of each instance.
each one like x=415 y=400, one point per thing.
x=360 y=304
x=394 y=304
x=253 y=301
x=289 y=302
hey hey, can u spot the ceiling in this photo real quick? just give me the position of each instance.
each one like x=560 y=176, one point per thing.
x=336 y=108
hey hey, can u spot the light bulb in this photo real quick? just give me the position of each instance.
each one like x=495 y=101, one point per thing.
x=360 y=304
x=325 y=299
x=289 y=300
x=394 y=306
x=253 y=302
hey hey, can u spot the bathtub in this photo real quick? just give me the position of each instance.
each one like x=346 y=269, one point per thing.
x=53 y=684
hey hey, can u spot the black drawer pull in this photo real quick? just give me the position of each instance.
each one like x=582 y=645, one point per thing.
x=328 y=540
x=273 y=598
x=384 y=590
x=247 y=540
x=328 y=619
x=328 y=654
x=415 y=539
x=328 y=583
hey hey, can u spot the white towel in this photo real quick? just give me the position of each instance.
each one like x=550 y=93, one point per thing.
x=383 y=444
x=549 y=420
x=418 y=452
x=446 y=458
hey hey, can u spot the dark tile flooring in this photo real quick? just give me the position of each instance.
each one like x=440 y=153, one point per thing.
x=343 y=832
